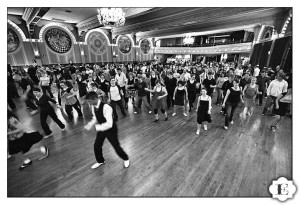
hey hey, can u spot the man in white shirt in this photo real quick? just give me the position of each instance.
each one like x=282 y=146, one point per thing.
x=185 y=75
x=121 y=80
x=276 y=87
x=106 y=128
x=256 y=71
x=115 y=94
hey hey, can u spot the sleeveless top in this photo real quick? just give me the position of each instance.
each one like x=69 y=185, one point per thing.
x=234 y=96
x=250 y=92
x=158 y=93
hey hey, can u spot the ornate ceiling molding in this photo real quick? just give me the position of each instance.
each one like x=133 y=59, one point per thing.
x=87 y=24
x=232 y=48
x=197 y=17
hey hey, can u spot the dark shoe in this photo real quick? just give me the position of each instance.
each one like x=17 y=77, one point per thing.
x=24 y=165
x=80 y=117
x=45 y=155
x=166 y=119
x=156 y=120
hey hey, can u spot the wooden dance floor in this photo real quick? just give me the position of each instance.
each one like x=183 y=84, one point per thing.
x=166 y=158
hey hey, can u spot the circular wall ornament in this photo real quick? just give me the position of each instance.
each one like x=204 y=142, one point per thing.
x=13 y=41
x=145 y=46
x=124 y=44
x=58 y=40
x=97 y=43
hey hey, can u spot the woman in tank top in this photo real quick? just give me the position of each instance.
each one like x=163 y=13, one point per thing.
x=159 y=99
x=250 y=91
x=203 y=110
x=180 y=94
x=231 y=101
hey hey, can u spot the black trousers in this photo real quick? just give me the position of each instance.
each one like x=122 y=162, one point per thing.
x=43 y=117
x=69 y=110
x=47 y=88
x=124 y=93
x=28 y=101
x=192 y=98
x=230 y=108
x=170 y=100
x=112 y=137
x=261 y=96
x=114 y=107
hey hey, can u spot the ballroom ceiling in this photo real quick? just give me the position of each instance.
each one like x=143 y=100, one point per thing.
x=165 y=22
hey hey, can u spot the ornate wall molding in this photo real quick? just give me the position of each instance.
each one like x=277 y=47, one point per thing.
x=233 y=48
x=42 y=31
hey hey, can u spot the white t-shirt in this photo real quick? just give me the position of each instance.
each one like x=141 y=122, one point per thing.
x=114 y=93
x=238 y=72
x=121 y=79
x=256 y=72
x=89 y=72
x=45 y=81
x=276 y=87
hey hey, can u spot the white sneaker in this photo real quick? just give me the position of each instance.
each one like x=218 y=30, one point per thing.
x=173 y=114
x=205 y=127
x=47 y=136
x=96 y=165
x=185 y=114
x=126 y=163
x=231 y=122
x=225 y=127
x=150 y=112
x=135 y=112
x=197 y=132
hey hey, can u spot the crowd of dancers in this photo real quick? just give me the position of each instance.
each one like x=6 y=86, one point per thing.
x=95 y=91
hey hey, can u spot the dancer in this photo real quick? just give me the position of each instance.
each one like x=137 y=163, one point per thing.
x=231 y=101
x=121 y=80
x=226 y=86
x=275 y=88
x=46 y=109
x=250 y=91
x=115 y=94
x=220 y=81
x=141 y=96
x=282 y=102
x=191 y=88
x=20 y=139
x=262 y=81
x=71 y=101
x=203 y=110
x=180 y=94
x=45 y=84
x=130 y=87
x=106 y=128
x=159 y=99
x=209 y=83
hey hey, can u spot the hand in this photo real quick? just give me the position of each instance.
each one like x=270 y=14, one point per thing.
x=108 y=101
x=58 y=106
x=223 y=105
x=243 y=101
x=196 y=110
x=277 y=107
x=159 y=97
x=209 y=112
x=173 y=98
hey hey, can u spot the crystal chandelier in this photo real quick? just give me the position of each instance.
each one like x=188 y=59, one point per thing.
x=111 y=17
x=188 y=40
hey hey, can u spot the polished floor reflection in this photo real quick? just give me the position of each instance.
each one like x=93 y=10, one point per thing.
x=167 y=158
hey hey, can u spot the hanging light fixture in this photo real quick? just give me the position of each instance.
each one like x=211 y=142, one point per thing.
x=113 y=17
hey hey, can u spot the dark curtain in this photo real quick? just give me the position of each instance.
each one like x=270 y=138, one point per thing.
x=255 y=54
x=278 y=51
x=288 y=64
x=264 y=54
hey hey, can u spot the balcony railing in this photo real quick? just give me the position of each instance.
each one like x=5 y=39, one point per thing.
x=208 y=44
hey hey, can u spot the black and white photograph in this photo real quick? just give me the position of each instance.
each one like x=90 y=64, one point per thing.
x=180 y=102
